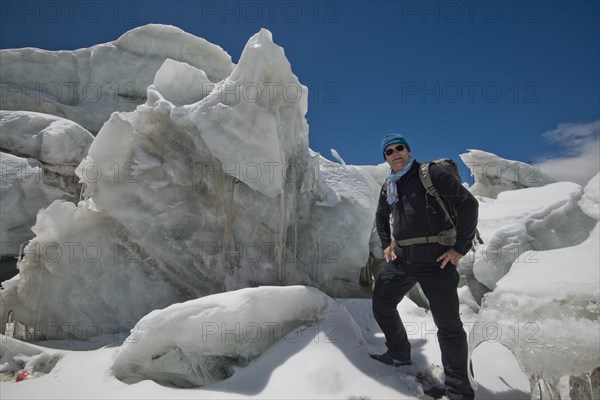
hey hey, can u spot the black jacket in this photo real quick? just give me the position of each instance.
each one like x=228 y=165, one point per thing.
x=417 y=214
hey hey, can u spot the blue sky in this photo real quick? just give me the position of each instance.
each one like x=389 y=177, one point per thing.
x=500 y=76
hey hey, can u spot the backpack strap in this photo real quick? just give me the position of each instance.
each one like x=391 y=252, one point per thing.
x=425 y=177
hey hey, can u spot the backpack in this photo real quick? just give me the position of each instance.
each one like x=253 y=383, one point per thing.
x=447 y=237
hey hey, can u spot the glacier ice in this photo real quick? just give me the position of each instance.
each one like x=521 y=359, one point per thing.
x=349 y=200
x=54 y=146
x=546 y=310
x=258 y=111
x=23 y=194
x=82 y=276
x=215 y=195
x=181 y=83
x=87 y=85
x=203 y=341
x=49 y=139
x=532 y=219
x=494 y=174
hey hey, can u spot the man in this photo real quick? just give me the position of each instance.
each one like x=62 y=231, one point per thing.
x=433 y=265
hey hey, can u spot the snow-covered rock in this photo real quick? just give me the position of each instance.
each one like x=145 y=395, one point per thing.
x=17 y=357
x=87 y=85
x=494 y=174
x=203 y=341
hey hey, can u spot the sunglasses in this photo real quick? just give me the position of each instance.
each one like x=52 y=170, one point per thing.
x=398 y=148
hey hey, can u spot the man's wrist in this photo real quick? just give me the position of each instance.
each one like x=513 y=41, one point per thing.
x=462 y=247
x=459 y=251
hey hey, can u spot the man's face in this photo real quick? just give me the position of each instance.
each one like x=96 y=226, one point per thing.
x=396 y=156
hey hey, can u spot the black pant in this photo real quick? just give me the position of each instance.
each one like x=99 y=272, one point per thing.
x=439 y=286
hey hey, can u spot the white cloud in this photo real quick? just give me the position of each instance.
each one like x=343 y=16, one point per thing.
x=580 y=152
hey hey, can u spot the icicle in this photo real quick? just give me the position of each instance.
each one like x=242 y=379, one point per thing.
x=217 y=184
x=83 y=187
x=23 y=245
x=282 y=233
x=228 y=218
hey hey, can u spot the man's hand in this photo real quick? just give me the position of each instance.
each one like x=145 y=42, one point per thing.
x=389 y=252
x=451 y=256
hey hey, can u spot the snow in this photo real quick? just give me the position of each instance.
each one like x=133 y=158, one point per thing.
x=533 y=219
x=546 y=310
x=493 y=362
x=325 y=353
x=206 y=219
x=18 y=356
x=230 y=330
x=590 y=200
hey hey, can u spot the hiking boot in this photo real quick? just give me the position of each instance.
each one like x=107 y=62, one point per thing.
x=435 y=392
x=453 y=394
x=389 y=359
x=438 y=393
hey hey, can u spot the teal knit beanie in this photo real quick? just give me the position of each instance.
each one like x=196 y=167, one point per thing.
x=393 y=138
